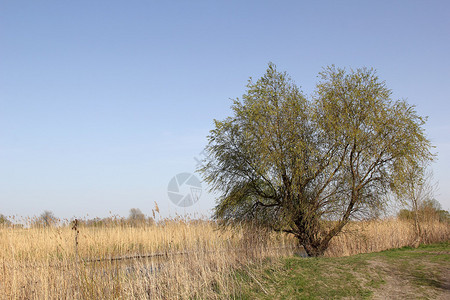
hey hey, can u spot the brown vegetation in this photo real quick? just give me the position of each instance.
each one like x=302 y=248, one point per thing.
x=379 y=235
x=192 y=259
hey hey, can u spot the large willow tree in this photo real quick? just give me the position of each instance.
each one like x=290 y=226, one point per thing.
x=308 y=166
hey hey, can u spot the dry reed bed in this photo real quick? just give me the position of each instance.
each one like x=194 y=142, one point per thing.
x=39 y=263
x=56 y=243
x=379 y=235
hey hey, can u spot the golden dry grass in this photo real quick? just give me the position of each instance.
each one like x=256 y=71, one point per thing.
x=379 y=235
x=197 y=261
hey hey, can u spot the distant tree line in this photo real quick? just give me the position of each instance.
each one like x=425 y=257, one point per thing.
x=428 y=210
x=48 y=219
x=135 y=219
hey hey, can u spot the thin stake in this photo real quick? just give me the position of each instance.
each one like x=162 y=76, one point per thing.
x=75 y=227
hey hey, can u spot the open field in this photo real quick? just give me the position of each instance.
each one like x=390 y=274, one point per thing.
x=406 y=273
x=180 y=259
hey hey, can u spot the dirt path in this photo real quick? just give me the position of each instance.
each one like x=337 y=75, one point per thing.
x=413 y=279
x=406 y=273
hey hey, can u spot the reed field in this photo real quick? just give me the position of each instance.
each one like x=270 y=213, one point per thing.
x=183 y=259
x=379 y=235
x=172 y=259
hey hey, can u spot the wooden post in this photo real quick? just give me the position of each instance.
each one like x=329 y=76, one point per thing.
x=75 y=227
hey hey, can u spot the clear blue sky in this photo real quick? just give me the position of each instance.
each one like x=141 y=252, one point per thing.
x=103 y=102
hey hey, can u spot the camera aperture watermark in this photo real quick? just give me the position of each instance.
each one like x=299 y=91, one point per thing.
x=184 y=189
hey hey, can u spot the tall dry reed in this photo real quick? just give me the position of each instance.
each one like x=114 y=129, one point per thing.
x=192 y=260
x=379 y=235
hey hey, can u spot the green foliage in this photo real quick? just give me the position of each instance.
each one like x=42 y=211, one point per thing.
x=290 y=163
